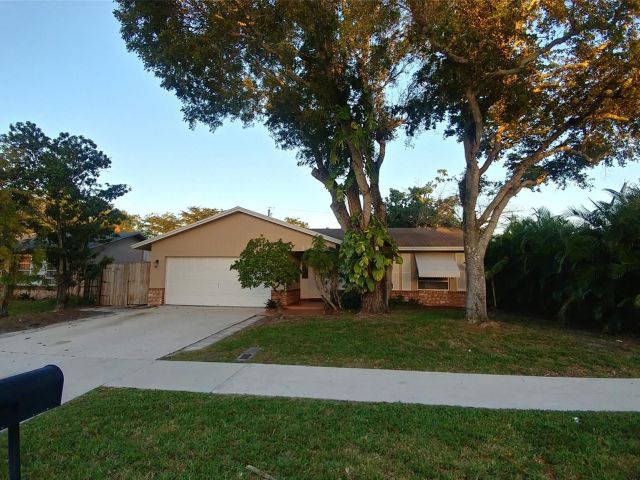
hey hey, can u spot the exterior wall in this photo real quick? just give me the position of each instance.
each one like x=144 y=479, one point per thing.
x=308 y=286
x=225 y=237
x=37 y=292
x=290 y=296
x=155 y=297
x=434 y=298
x=121 y=252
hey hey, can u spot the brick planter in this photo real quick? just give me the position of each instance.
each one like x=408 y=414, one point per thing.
x=434 y=298
x=290 y=296
x=155 y=297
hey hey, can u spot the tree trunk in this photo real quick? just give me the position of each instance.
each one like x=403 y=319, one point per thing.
x=476 y=283
x=4 y=300
x=8 y=287
x=493 y=292
x=62 y=290
x=376 y=301
x=62 y=296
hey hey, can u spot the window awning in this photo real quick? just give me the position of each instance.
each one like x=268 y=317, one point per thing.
x=440 y=265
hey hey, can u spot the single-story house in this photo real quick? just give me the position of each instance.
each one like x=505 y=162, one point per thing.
x=190 y=265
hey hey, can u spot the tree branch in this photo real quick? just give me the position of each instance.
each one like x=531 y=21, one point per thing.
x=454 y=57
x=495 y=150
x=534 y=56
x=338 y=207
x=477 y=117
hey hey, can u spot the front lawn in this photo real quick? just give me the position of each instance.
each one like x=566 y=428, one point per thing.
x=430 y=340
x=133 y=434
x=25 y=314
x=21 y=308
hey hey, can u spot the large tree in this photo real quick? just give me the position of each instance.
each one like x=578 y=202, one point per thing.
x=317 y=74
x=536 y=92
x=425 y=205
x=71 y=207
x=15 y=213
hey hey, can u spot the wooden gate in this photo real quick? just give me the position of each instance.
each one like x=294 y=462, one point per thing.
x=125 y=284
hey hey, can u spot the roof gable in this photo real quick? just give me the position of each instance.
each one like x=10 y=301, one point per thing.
x=231 y=211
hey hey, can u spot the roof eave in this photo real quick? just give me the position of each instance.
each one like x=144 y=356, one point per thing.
x=432 y=249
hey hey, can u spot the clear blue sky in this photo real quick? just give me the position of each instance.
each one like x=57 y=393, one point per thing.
x=65 y=67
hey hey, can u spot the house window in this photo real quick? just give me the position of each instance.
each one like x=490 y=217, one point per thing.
x=305 y=271
x=433 y=283
x=50 y=274
x=24 y=266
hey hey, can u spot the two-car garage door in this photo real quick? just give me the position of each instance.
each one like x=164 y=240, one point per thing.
x=208 y=281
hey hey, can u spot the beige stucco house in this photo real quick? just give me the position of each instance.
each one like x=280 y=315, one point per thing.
x=190 y=265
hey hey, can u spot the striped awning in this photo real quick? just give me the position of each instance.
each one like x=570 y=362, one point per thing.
x=437 y=265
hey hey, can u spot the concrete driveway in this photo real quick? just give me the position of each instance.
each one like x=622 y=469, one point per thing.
x=97 y=350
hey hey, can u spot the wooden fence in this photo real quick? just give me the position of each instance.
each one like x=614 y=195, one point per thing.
x=125 y=284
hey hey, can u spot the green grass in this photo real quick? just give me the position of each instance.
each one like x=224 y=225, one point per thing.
x=430 y=340
x=130 y=434
x=29 y=307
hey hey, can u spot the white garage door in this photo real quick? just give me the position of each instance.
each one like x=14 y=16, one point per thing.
x=208 y=281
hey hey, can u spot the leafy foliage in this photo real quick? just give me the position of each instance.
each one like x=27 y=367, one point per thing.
x=584 y=273
x=422 y=206
x=365 y=257
x=155 y=224
x=194 y=214
x=296 y=221
x=542 y=91
x=268 y=264
x=71 y=209
x=325 y=262
x=317 y=74
x=13 y=228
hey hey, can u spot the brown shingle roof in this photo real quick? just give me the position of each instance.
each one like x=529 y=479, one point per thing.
x=412 y=237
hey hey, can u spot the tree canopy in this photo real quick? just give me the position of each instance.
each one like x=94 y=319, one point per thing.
x=536 y=92
x=539 y=91
x=71 y=208
x=423 y=206
x=15 y=212
x=317 y=74
x=155 y=224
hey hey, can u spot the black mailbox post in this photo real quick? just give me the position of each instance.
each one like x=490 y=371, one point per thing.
x=24 y=396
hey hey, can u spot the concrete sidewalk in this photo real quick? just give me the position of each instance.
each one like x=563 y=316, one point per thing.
x=364 y=385
x=121 y=349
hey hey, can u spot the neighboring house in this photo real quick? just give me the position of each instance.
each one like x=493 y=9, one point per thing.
x=44 y=272
x=41 y=277
x=119 y=248
x=190 y=265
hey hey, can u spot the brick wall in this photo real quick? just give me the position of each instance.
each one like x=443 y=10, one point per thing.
x=155 y=296
x=290 y=296
x=434 y=298
x=37 y=292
